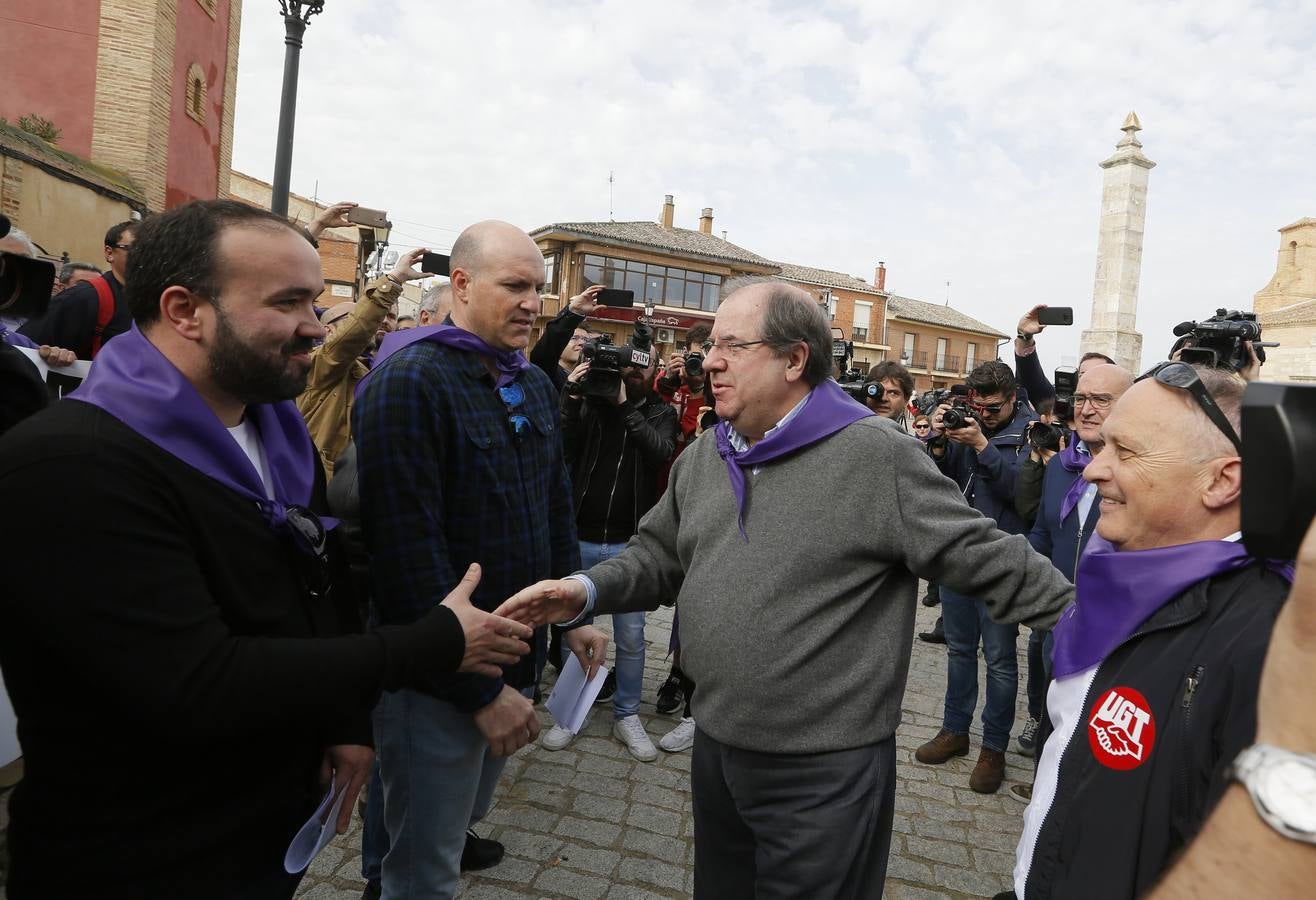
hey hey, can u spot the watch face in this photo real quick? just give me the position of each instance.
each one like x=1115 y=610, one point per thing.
x=1288 y=789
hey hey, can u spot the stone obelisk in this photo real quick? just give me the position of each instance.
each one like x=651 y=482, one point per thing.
x=1119 y=252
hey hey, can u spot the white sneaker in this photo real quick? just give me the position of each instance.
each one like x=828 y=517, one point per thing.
x=682 y=737
x=630 y=731
x=556 y=738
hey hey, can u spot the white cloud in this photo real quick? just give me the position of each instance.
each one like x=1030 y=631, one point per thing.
x=957 y=142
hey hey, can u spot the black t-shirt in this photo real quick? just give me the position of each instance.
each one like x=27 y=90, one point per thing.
x=70 y=322
x=154 y=639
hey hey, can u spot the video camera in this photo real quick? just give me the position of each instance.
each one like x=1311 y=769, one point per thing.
x=25 y=283
x=1279 y=481
x=852 y=382
x=931 y=400
x=606 y=361
x=1218 y=341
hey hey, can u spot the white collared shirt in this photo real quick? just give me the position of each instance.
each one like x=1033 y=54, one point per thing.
x=740 y=444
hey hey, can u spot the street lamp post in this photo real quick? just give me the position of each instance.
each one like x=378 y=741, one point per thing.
x=296 y=16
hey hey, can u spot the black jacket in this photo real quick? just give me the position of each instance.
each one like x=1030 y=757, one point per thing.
x=1197 y=663
x=648 y=443
x=553 y=343
x=70 y=322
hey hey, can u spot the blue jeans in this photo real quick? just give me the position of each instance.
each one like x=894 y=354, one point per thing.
x=374 y=836
x=966 y=623
x=627 y=637
x=439 y=775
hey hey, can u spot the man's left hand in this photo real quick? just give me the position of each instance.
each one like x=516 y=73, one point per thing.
x=970 y=435
x=57 y=357
x=349 y=766
x=333 y=217
x=590 y=647
x=403 y=271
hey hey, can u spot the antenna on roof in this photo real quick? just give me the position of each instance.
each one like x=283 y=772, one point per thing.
x=948 y=293
x=610 y=180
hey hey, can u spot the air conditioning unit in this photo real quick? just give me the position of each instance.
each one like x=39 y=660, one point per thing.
x=665 y=336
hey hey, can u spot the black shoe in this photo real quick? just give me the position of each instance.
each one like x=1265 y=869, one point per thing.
x=539 y=696
x=930 y=600
x=670 y=695
x=480 y=853
x=935 y=636
x=609 y=688
x=374 y=890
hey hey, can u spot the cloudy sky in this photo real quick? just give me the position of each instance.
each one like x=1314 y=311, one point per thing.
x=957 y=142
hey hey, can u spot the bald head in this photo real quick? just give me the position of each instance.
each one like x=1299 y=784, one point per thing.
x=497 y=273
x=487 y=240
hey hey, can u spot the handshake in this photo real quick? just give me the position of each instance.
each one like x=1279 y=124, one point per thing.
x=500 y=638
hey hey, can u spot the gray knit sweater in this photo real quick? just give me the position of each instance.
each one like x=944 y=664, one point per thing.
x=799 y=639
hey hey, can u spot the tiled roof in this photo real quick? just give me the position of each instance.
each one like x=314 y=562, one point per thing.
x=936 y=314
x=828 y=278
x=651 y=234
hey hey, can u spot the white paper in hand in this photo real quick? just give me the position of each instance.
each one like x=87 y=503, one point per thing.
x=313 y=836
x=573 y=696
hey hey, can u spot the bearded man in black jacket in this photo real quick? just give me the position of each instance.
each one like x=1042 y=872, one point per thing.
x=1157 y=663
x=179 y=647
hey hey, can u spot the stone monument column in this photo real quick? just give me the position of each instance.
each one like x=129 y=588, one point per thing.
x=1119 y=252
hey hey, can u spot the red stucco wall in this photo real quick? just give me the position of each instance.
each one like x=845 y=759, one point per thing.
x=48 y=64
x=194 y=148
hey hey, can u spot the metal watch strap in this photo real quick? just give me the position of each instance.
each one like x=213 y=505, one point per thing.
x=1244 y=769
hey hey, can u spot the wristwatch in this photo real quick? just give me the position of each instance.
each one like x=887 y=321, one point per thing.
x=1026 y=338
x=1283 y=788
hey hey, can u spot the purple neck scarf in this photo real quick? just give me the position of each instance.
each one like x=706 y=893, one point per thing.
x=1117 y=592
x=1073 y=461
x=509 y=363
x=826 y=411
x=132 y=381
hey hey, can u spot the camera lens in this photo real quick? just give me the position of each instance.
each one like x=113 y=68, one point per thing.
x=694 y=365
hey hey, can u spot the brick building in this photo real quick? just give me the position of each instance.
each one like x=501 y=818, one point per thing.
x=937 y=343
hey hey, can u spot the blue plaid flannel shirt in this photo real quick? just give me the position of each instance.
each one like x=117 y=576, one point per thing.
x=445 y=481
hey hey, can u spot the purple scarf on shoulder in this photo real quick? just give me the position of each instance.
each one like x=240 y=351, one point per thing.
x=134 y=382
x=826 y=411
x=509 y=363
x=1118 y=591
x=1074 y=461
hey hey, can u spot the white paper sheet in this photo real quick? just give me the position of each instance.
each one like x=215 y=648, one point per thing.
x=313 y=836
x=78 y=370
x=573 y=696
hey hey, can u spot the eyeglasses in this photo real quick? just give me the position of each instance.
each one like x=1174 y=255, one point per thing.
x=1184 y=377
x=120 y=246
x=513 y=395
x=730 y=348
x=308 y=536
x=992 y=408
x=1100 y=402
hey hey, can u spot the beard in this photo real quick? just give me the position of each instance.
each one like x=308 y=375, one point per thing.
x=253 y=376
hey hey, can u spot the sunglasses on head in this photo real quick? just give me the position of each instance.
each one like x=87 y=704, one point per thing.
x=1184 y=377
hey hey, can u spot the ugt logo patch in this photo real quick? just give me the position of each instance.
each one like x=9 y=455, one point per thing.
x=1121 y=729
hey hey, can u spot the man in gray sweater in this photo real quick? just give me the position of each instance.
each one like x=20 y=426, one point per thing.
x=797 y=583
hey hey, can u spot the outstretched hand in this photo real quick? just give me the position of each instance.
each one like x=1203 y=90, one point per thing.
x=545 y=603
x=491 y=641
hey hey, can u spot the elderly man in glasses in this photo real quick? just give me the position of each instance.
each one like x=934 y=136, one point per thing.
x=983 y=458
x=796 y=586
x=1157 y=664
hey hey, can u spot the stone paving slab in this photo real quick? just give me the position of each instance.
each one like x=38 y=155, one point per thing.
x=592 y=823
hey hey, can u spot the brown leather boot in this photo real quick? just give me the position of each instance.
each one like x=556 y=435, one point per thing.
x=942 y=747
x=989 y=772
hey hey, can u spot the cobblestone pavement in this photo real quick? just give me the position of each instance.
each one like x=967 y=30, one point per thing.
x=592 y=823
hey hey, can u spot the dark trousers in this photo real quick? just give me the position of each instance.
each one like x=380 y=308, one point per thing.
x=771 y=826
x=1037 y=673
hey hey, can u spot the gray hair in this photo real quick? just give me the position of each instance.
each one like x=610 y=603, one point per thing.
x=791 y=316
x=66 y=271
x=1226 y=387
x=433 y=297
x=20 y=235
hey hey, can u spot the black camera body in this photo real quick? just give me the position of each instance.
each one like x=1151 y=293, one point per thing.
x=931 y=400
x=607 y=360
x=959 y=415
x=694 y=363
x=1066 y=382
x=1279 y=481
x=1043 y=435
x=1218 y=341
x=852 y=382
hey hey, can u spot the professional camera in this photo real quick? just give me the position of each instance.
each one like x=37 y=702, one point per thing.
x=1043 y=435
x=1066 y=383
x=931 y=400
x=1218 y=341
x=606 y=361
x=24 y=283
x=852 y=382
x=1279 y=481
x=694 y=363
x=959 y=415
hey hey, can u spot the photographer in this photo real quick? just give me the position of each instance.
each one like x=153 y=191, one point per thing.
x=557 y=351
x=980 y=445
x=887 y=391
x=1045 y=438
x=615 y=447
x=682 y=385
